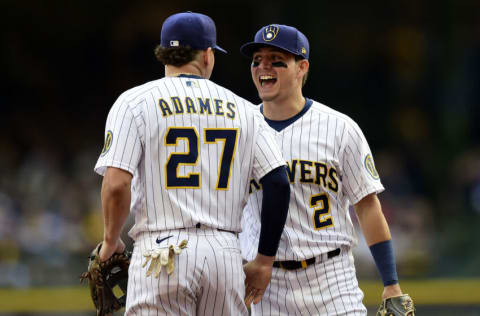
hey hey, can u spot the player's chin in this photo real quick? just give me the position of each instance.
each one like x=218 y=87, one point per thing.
x=266 y=94
x=266 y=97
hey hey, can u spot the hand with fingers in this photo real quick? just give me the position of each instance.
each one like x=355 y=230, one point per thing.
x=258 y=273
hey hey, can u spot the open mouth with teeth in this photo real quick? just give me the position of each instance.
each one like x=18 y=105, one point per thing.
x=267 y=80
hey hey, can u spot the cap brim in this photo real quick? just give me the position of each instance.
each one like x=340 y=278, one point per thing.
x=220 y=49
x=249 y=48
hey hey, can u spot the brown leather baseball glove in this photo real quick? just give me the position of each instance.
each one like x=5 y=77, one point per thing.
x=107 y=281
x=397 y=306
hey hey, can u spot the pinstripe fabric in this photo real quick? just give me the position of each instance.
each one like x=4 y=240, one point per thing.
x=208 y=277
x=192 y=147
x=326 y=288
x=139 y=129
x=326 y=153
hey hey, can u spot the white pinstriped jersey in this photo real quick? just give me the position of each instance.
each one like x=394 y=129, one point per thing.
x=330 y=167
x=192 y=147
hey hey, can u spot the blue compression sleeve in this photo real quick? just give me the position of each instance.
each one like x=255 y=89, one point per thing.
x=276 y=197
x=382 y=253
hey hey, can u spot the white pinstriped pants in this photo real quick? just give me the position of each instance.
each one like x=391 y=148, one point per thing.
x=208 y=278
x=326 y=288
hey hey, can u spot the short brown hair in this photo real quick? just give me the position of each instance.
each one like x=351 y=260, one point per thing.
x=175 y=56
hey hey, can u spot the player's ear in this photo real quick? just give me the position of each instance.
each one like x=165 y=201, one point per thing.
x=208 y=56
x=302 y=67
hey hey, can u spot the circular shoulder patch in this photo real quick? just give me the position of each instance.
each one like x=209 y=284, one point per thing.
x=108 y=142
x=371 y=167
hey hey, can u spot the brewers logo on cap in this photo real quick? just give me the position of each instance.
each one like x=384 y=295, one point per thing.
x=270 y=32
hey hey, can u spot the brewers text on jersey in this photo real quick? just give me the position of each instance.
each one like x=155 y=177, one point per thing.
x=306 y=171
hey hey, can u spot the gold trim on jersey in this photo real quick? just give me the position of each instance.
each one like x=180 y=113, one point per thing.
x=314 y=172
x=218 y=107
x=333 y=184
x=222 y=162
x=370 y=166
x=210 y=136
x=232 y=110
x=190 y=105
x=320 y=216
x=304 y=171
x=204 y=106
x=108 y=142
x=163 y=105
x=177 y=104
x=189 y=175
x=292 y=170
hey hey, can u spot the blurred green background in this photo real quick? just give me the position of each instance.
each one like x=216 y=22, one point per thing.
x=408 y=72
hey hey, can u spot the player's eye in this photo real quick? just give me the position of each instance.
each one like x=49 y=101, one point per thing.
x=255 y=63
x=279 y=64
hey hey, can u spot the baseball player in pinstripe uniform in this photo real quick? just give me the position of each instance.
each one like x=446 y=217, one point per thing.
x=330 y=167
x=179 y=153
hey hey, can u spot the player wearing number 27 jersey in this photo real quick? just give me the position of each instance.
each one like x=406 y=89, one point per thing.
x=179 y=154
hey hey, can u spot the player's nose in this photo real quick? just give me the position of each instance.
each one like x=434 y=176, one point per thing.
x=265 y=64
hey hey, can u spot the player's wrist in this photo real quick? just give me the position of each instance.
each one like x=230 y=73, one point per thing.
x=392 y=291
x=383 y=255
x=264 y=259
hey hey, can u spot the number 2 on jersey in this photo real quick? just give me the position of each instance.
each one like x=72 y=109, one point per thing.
x=321 y=201
x=190 y=157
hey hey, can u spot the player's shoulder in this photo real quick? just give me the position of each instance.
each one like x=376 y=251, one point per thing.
x=134 y=93
x=341 y=117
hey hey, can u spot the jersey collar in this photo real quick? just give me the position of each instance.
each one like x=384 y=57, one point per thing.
x=279 y=125
x=190 y=76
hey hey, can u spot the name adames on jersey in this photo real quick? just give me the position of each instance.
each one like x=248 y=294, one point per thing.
x=206 y=106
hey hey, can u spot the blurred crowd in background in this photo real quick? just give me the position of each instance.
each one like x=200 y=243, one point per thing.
x=408 y=72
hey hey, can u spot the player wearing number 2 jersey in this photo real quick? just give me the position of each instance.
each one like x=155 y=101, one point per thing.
x=330 y=167
x=179 y=153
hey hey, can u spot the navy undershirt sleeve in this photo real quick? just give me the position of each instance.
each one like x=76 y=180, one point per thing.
x=276 y=197
x=382 y=253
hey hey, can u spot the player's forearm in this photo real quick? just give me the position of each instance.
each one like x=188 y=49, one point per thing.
x=372 y=221
x=276 y=198
x=378 y=238
x=115 y=202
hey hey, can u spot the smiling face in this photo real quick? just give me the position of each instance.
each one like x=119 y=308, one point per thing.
x=276 y=74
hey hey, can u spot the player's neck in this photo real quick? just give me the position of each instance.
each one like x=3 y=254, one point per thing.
x=280 y=110
x=188 y=69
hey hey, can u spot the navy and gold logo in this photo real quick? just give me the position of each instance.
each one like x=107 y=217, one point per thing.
x=108 y=142
x=369 y=164
x=270 y=32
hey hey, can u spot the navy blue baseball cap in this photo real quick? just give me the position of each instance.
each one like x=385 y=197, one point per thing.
x=281 y=36
x=189 y=29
